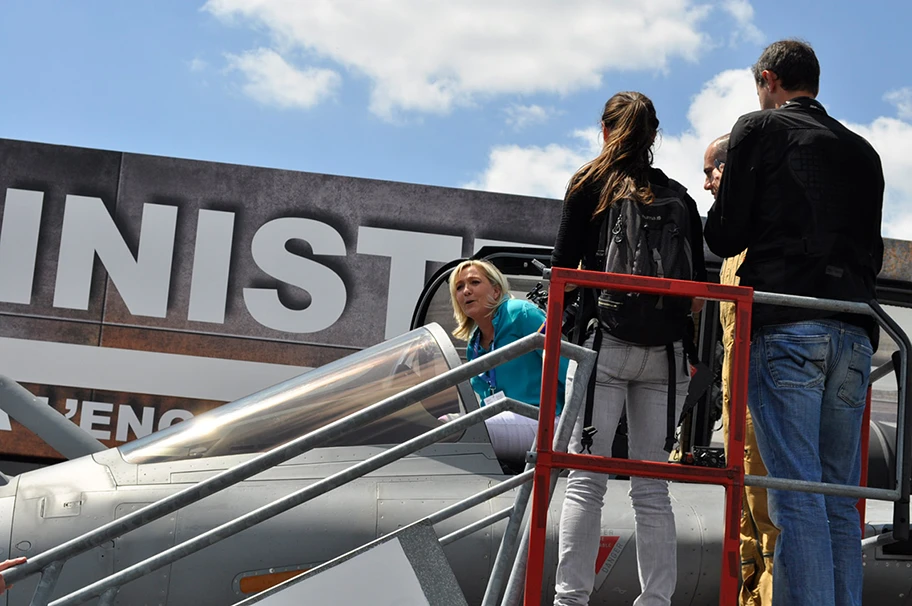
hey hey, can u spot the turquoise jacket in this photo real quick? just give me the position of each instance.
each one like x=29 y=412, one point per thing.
x=519 y=378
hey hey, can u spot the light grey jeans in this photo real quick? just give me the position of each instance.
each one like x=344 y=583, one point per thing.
x=638 y=375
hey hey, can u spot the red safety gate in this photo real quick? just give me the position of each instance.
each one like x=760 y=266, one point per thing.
x=731 y=477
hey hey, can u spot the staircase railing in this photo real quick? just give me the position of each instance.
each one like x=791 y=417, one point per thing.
x=51 y=562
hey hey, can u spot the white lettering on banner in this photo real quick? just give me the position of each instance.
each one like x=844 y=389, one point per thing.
x=97 y=415
x=211 y=266
x=409 y=253
x=143 y=283
x=326 y=289
x=173 y=416
x=90 y=417
x=127 y=420
x=19 y=244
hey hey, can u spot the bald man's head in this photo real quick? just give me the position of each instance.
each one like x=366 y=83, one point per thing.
x=713 y=163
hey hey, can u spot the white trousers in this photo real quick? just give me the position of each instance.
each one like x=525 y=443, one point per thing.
x=512 y=435
x=637 y=375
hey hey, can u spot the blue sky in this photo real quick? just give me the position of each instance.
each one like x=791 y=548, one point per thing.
x=493 y=95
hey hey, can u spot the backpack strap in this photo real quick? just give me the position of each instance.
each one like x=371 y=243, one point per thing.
x=589 y=430
x=670 y=417
x=701 y=378
x=582 y=325
x=690 y=347
x=601 y=253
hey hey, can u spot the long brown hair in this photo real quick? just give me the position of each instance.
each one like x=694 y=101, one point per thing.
x=622 y=167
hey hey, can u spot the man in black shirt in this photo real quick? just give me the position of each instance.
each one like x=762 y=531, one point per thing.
x=804 y=195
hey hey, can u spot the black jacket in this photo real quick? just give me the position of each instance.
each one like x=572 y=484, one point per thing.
x=804 y=195
x=578 y=236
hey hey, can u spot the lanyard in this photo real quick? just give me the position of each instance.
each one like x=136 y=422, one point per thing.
x=489 y=376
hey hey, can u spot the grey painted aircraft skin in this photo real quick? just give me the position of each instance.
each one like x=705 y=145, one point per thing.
x=42 y=508
x=39 y=513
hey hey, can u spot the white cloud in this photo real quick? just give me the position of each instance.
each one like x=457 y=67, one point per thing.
x=545 y=170
x=892 y=138
x=902 y=99
x=196 y=64
x=713 y=111
x=743 y=14
x=432 y=55
x=532 y=171
x=521 y=116
x=271 y=80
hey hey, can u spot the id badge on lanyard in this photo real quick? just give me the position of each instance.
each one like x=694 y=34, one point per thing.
x=488 y=376
x=494 y=398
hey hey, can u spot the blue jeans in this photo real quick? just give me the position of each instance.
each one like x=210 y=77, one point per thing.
x=807 y=388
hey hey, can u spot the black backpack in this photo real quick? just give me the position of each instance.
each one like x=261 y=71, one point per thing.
x=646 y=240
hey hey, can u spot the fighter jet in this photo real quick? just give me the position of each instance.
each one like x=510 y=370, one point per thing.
x=49 y=506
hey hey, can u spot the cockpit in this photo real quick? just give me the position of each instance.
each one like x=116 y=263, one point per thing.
x=283 y=412
x=288 y=410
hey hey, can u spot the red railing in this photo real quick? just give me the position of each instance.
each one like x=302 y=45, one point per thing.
x=731 y=477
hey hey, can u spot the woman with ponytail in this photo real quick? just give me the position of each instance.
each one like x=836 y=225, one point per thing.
x=629 y=372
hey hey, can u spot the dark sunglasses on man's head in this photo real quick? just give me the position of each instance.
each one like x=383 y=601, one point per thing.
x=718 y=164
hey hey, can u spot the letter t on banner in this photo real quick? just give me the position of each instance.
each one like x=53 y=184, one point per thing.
x=409 y=252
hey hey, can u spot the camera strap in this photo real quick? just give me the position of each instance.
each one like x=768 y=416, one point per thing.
x=589 y=430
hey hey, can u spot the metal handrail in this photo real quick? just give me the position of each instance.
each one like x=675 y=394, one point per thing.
x=511 y=557
x=480 y=497
x=507 y=552
x=839 y=490
x=548 y=460
x=50 y=562
x=506 y=512
x=902 y=365
x=513 y=548
x=880 y=372
x=107 y=587
x=278 y=506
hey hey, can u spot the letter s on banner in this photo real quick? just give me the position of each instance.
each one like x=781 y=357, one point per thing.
x=327 y=291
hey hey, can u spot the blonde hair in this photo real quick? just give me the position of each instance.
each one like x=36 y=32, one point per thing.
x=464 y=324
x=622 y=167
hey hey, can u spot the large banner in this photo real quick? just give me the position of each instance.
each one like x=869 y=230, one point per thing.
x=136 y=291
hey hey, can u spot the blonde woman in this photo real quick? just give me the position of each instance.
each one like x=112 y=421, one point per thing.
x=487 y=318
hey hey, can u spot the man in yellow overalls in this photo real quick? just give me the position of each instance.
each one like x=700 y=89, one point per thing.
x=758 y=534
